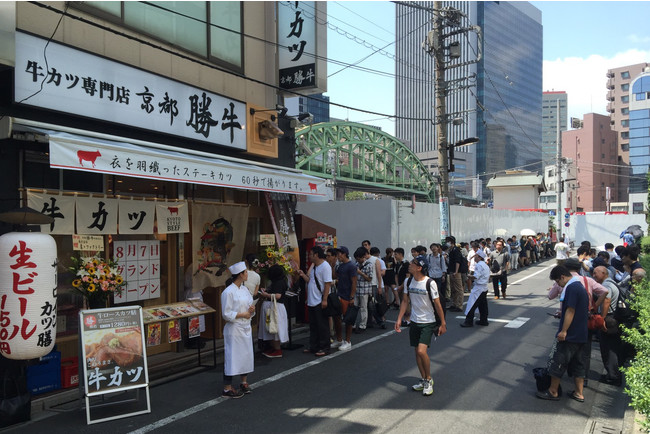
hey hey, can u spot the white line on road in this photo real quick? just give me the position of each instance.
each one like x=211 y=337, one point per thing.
x=211 y=403
x=534 y=274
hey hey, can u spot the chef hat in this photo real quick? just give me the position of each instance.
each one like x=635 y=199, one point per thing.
x=237 y=268
x=481 y=253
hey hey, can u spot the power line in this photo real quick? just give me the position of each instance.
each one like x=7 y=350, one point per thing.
x=363 y=18
x=212 y=66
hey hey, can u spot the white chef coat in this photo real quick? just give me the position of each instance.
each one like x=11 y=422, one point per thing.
x=237 y=335
x=481 y=279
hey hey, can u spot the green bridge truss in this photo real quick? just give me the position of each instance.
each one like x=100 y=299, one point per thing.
x=361 y=157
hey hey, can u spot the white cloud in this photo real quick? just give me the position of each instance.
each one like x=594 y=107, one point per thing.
x=584 y=79
x=636 y=39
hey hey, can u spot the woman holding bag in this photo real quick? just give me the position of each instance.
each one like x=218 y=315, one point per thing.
x=274 y=298
x=237 y=309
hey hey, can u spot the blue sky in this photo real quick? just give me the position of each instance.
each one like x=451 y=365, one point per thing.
x=581 y=41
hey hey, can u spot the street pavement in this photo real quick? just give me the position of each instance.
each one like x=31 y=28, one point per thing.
x=483 y=384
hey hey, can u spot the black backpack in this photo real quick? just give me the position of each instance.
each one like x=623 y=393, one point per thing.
x=495 y=267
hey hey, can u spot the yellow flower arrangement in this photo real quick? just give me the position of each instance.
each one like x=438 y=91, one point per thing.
x=96 y=278
x=277 y=257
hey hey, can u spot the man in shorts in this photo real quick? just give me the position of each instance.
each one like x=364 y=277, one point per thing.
x=571 y=336
x=423 y=318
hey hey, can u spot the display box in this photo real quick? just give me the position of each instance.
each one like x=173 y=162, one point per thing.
x=45 y=375
x=70 y=372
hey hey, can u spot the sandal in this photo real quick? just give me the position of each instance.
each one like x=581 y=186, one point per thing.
x=573 y=395
x=547 y=395
x=306 y=351
x=320 y=353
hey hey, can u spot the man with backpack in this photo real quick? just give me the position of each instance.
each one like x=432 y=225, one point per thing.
x=610 y=340
x=427 y=318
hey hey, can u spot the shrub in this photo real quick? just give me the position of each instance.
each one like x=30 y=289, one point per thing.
x=637 y=375
x=645 y=245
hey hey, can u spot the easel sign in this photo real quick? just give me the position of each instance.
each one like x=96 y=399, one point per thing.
x=114 y=355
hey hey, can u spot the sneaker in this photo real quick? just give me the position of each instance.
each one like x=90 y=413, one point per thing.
x=245 y=388
x=345 y=346
x=232 y=393
x=419 y=386
x=336 y=344
x=273 y=354
x=428 y=387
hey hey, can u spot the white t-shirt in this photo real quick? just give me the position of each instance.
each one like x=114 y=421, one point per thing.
x=421 y=308
x=253 y=281
x=373 y=260
x=561 y=250
x=470 y=259
x=324 y=275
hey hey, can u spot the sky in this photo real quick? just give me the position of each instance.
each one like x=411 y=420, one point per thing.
x=582 y=40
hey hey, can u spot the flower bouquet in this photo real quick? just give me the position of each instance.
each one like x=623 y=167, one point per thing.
x=96 y=279
x=279 y=257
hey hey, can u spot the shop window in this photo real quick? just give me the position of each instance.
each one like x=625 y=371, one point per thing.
x=210 y=29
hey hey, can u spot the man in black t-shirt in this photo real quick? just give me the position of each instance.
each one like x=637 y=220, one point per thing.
x=457 y=266
x=401 y=273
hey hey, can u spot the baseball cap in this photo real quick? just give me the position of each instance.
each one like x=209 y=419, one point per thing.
x=481 y=253
x=421 y=260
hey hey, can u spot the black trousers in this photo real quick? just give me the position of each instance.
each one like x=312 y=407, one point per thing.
x=319 y=330
x=610 y=346
x=503 y=278
x=482 y=305
x=442 y=292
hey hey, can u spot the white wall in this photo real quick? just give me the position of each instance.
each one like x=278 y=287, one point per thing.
x=599 y=228
x=515 y=197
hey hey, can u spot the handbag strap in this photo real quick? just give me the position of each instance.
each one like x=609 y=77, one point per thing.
x=316 y=280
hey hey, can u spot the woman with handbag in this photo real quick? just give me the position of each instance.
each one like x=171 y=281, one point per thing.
x=237 y=309
x=274 y=325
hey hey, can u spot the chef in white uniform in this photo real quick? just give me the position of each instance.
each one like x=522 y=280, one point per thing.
x=478 y=296
x=237 y=309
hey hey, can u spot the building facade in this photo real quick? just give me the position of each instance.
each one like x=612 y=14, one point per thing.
x=566 y=185
x=639 y=130
x=168 y=108
x=498 y=99
x=594 y=151
x=317 y=105
x=550 y=118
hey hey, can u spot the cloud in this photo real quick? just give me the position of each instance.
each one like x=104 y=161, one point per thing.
x=636 y=39
x=584 y=79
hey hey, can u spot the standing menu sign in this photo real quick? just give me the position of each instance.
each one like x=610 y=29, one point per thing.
x=114 y=355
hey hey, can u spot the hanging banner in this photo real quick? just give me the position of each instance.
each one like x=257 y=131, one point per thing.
x=96 y=215
x=138 y=262
x=282 y=211
x=218 y=236
x=59 y=207
x=136 y=216
x=172 y=217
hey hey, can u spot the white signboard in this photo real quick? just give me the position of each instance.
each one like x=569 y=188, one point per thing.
x=59 y=207
x=267 y=239
x=138 y=261
x=77 y=82
x=88 y=243
x=297 y=44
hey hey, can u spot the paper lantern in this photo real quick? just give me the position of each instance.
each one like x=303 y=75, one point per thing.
x=28 y=281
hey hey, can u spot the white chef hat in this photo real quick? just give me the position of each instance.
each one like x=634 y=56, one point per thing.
x=481 y=253
x=237 y=268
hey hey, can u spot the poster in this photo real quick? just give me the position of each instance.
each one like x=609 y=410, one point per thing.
x=174 y=330
x=218 y=236
x=282 y=211
x=153 y=334
x=193 y=327
x=138 y=261
x=113 y=350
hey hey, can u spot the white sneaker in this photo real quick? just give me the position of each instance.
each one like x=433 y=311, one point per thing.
x=336 y=344
x=345 y=346
x=419 y=386
x=428 y=387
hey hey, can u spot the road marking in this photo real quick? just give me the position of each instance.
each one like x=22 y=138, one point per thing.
x=516 y=323
x=211 y=403
x=534 y=274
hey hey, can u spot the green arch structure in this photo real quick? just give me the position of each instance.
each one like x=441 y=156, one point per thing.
x=362 y=157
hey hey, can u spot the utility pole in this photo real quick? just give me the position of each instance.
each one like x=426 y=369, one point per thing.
x=558 y=174
x=441 y=118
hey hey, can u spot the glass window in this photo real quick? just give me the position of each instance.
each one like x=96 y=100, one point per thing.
x=225 y=32
x=639 y=132
x=625 y=98
x=625 y=123
x=111 y=8
x=640 y=114
x=625 y=135
x=625 y=86
x=625 y=111
x=625 y=74
x=639 y=96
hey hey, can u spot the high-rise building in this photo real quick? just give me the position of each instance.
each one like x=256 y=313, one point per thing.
x=318 y=105
x=618 y=107
x=639 y=140
x=498 y=99
x=550 y=117
x=593 y=151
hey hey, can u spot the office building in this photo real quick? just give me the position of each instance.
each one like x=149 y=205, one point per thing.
x=498 y=99
x=639 y=140
x=550 y=115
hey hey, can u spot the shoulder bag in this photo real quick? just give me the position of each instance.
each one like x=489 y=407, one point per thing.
x=333 y=303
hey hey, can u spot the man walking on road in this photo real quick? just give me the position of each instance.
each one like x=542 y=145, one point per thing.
x=457 y=266
x=571 y=335
x=422 y=293
x=478 y=296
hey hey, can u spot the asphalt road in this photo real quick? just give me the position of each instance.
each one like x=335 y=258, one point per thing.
x=483 y=384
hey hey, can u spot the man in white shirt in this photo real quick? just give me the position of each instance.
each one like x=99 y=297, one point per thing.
x=478 y=296
x=561 y=252
x=426 y=313
x=319 y=280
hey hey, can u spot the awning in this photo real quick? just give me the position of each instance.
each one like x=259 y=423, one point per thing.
x=121 y=156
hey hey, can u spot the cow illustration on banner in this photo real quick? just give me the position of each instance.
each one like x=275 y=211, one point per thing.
x=218 y=236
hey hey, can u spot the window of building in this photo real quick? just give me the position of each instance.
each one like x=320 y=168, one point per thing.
x=625 y=135
x=640 y=96
x=210 y=29
x=625 y=87
x=625 y=98
x=625 y=111
x=625 y=147
x=625 y=74
x=625 y=123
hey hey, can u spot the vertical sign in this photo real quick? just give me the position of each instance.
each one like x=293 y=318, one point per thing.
x=139 y=263
x=297 y=44
x=444 y=218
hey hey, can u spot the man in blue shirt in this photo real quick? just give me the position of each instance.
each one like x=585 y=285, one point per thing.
x=571 y=336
